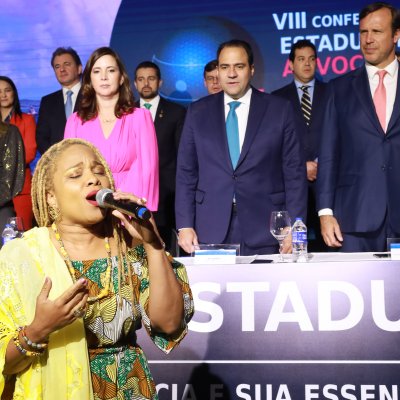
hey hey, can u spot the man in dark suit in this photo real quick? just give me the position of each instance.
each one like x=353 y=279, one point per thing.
x=358 y=181
x=308 y=120
x=168 y=120
x=54 y=107
x=210 y=75
x=225 y=193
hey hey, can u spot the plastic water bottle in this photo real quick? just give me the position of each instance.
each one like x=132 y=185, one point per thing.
x=8 y=233
x=299 y=241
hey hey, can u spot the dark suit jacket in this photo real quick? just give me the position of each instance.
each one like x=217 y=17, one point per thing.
x=168 y=123
x=51 y=120
x=270 y=174
x=359 y=166
x=310 y=134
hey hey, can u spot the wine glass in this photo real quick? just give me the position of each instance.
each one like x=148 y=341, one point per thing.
x=17 y=224
x=280 y=226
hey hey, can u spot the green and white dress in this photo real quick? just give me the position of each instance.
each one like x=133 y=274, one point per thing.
x=118 y=366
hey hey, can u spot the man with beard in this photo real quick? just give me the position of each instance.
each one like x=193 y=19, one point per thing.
x=308 y=97
x=168 y=120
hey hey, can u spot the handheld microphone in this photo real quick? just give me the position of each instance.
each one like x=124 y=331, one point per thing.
x=105 y=199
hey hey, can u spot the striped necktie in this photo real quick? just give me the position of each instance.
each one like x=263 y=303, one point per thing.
x=306 y=104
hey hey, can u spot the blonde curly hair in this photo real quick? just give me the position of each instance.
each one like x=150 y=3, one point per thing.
x=43 y=183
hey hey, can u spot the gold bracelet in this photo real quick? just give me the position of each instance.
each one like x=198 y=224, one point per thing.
x=23 y=351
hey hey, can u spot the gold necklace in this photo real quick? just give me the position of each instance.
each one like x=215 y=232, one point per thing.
x=107 y=121
x=103 y=292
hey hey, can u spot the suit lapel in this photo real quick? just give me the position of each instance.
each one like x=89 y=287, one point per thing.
x=61 y=108
x=362 y=90
x=215 y=127
x=396 y=107
x=316 y=103
x=296 y=102
x=256 y=113
x=293 y=96
x=217 y=122
x=294 y=99
x=160 y=111
x=78 y=99
x=159 y=114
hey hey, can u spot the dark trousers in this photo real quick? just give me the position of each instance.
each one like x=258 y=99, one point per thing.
x=234 y=236
x=369 y=241
x=315 y=240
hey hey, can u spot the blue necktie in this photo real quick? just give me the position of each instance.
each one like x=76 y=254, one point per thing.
x=68 y=104
x=232 y=131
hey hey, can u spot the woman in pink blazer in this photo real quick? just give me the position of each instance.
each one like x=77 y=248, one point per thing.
x=125 y=135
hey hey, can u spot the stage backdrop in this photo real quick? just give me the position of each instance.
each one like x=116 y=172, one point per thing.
x=180 y=36
x=319 y=330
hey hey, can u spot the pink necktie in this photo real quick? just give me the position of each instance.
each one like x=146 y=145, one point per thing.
x=380 y=99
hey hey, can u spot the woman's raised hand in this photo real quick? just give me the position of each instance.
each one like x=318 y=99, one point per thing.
x=51 y=315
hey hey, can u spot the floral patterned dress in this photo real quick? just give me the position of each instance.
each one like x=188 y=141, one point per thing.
x=118 y=366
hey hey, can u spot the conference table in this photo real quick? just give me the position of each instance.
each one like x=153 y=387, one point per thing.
x=324 y=329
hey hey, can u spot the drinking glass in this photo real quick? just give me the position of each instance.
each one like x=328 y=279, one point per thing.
x=280 y=226
x=17 y=224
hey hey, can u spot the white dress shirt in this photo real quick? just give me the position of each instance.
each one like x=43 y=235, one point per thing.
x=154 y=105
x=242 y=113
x=300 y=92
x=75 y=90
x=390 y=82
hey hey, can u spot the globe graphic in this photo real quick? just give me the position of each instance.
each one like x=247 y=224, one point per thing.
x=182 y=60
x=180 y=47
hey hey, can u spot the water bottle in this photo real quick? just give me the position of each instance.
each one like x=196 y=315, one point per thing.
x=8 y=233
x=299 y=241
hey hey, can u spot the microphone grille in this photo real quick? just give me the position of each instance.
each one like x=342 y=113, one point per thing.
x=100 y=196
